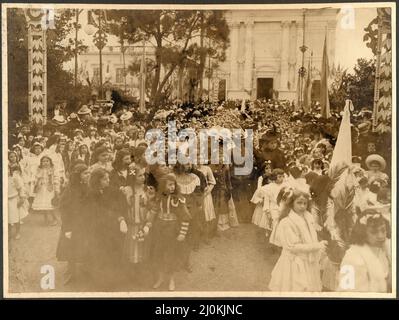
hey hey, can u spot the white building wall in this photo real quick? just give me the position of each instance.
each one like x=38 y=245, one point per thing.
x=265 y=44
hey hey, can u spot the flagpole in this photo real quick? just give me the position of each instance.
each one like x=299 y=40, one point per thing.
x=324 y=99
x=307 y=87
x=302 y=69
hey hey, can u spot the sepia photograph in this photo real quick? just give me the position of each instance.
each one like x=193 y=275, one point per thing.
x=167 y=150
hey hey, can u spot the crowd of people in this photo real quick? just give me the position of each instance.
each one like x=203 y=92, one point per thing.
x=121 y=216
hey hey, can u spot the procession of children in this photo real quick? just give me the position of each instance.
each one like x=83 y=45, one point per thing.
x=126 y=221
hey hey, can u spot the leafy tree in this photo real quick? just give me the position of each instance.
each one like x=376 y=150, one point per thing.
x=17 y=73
x=175 y=36
x=338 y=88
x=358 y=86
x=59 y=82
x=121 y=29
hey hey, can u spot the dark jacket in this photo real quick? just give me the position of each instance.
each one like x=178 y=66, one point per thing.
x=106 y=240
x=222 y=191
x=117 y=180
x=276 y=156
x=74 y=220
x=172 y=219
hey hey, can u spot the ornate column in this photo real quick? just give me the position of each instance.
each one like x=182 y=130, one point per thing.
x=249 y=55
x=253 y=78
x=292 y=59
x=285 y=45
x=241 y=49
x=37 y=66
x=233 y=56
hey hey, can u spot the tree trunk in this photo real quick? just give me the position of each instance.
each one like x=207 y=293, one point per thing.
x=202 y=59
x=173 y=67
x=180 y=94
x=158 y=95
x=157 y=67
x=157 y=76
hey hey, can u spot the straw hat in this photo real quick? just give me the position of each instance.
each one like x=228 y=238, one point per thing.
x=59 y=119
x=375 y=158
x=84 y=110
x=126 y=116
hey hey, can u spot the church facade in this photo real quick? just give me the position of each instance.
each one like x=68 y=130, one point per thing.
x=264 y=56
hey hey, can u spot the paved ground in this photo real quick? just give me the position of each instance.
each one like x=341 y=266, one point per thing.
x=238 y=260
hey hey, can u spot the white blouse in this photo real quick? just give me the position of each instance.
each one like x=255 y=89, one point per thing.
x=371 y=269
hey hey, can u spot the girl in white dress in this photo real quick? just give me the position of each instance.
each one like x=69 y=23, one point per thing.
x=298 y=268
x=271 y=210
x=46 y=190
x=58 y=162
x=17 y=199
x=369 y=256
x=208 y=201
x=258 y=199
x=32 y=163
x=23 y=164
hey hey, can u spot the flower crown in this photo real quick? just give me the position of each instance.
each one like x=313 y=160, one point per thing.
x=363 y=220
